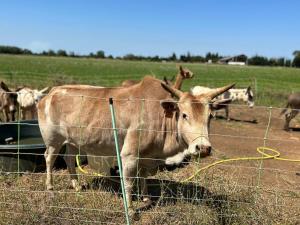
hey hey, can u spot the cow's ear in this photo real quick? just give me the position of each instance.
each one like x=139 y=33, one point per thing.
x=19 y=88
x=169 y=107
x=4 y=86
x=181 y=70
x=220 y=104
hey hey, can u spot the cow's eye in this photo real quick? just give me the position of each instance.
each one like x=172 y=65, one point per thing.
x=184 y=116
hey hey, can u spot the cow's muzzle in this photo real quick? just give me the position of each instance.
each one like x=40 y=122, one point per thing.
x=203 y=150
x=200 y=146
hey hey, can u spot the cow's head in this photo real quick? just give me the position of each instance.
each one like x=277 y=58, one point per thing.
x=28 y=97
x=193 y=114
x=9 y=100
x=250 y=97
x=185 y=73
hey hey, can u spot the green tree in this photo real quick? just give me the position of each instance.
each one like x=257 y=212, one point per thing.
x=258 y=61
x=288 y=63
x=10 y=50
x=281 y=61
x=296 y=61
x=297 y=52
x=198 y=58
x=61 y=52
x=51 y=53
x=27 y=52
x=129 y=56
x=72 y=54
x=212 y=56
x=155 y=58
x=173 y=57
x=273 y=62
x=242 y=58
x=188 y=57
x=100 y=54
x=183 y=58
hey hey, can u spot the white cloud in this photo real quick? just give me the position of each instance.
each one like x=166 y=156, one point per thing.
x=39 y=46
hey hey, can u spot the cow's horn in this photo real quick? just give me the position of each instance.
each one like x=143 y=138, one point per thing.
x=173 y=91
x=45 y=89
x=217 y=91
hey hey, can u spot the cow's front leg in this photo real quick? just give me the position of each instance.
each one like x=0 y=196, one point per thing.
x=227 y=113
x=287 y=122
x=34 y=112
x=23 y=113
x=288 y=118
x=144 y=188
x=6 y=115
x=129 y=165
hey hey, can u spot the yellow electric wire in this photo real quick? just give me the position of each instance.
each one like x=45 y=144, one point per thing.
x=260 y=150
x=84 y=171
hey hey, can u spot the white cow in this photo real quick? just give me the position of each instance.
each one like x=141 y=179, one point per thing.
x=244 y=94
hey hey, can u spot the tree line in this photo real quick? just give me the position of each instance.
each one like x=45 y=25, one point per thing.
x=188 y=57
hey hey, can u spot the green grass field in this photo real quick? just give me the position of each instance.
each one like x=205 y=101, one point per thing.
x=272 y=84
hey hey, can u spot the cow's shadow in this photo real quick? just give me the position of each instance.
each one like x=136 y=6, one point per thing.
x=165 y=192
x=254 y=121
x=295 y=129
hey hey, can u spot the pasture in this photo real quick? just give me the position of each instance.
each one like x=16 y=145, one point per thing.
x=248 y=192
x=273 y=84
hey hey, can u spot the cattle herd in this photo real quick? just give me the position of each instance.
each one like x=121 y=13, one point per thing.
x=158 y=123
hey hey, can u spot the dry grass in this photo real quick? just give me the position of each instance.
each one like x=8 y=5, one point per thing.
x=217 y=197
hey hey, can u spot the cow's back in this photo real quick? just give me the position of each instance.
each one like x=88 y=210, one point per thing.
x=80 y=115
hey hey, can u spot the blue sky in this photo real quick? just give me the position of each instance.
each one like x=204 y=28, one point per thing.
x=267 y=27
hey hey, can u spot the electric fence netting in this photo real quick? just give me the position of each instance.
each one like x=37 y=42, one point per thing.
x=251 y=177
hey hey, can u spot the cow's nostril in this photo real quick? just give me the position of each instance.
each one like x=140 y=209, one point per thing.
x=197 y=148
x=209 y=150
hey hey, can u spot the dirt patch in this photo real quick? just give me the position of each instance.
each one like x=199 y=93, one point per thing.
x=240 y=138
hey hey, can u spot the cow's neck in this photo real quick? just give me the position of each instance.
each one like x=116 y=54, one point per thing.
x=172 y=138
x=178 y=82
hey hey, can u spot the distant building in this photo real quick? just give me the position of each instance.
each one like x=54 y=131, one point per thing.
x=234 y=60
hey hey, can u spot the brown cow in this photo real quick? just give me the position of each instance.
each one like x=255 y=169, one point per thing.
x=8 y=102
x=79 y=117
x=182 y=75
x=128 y=83
x=294 y=104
